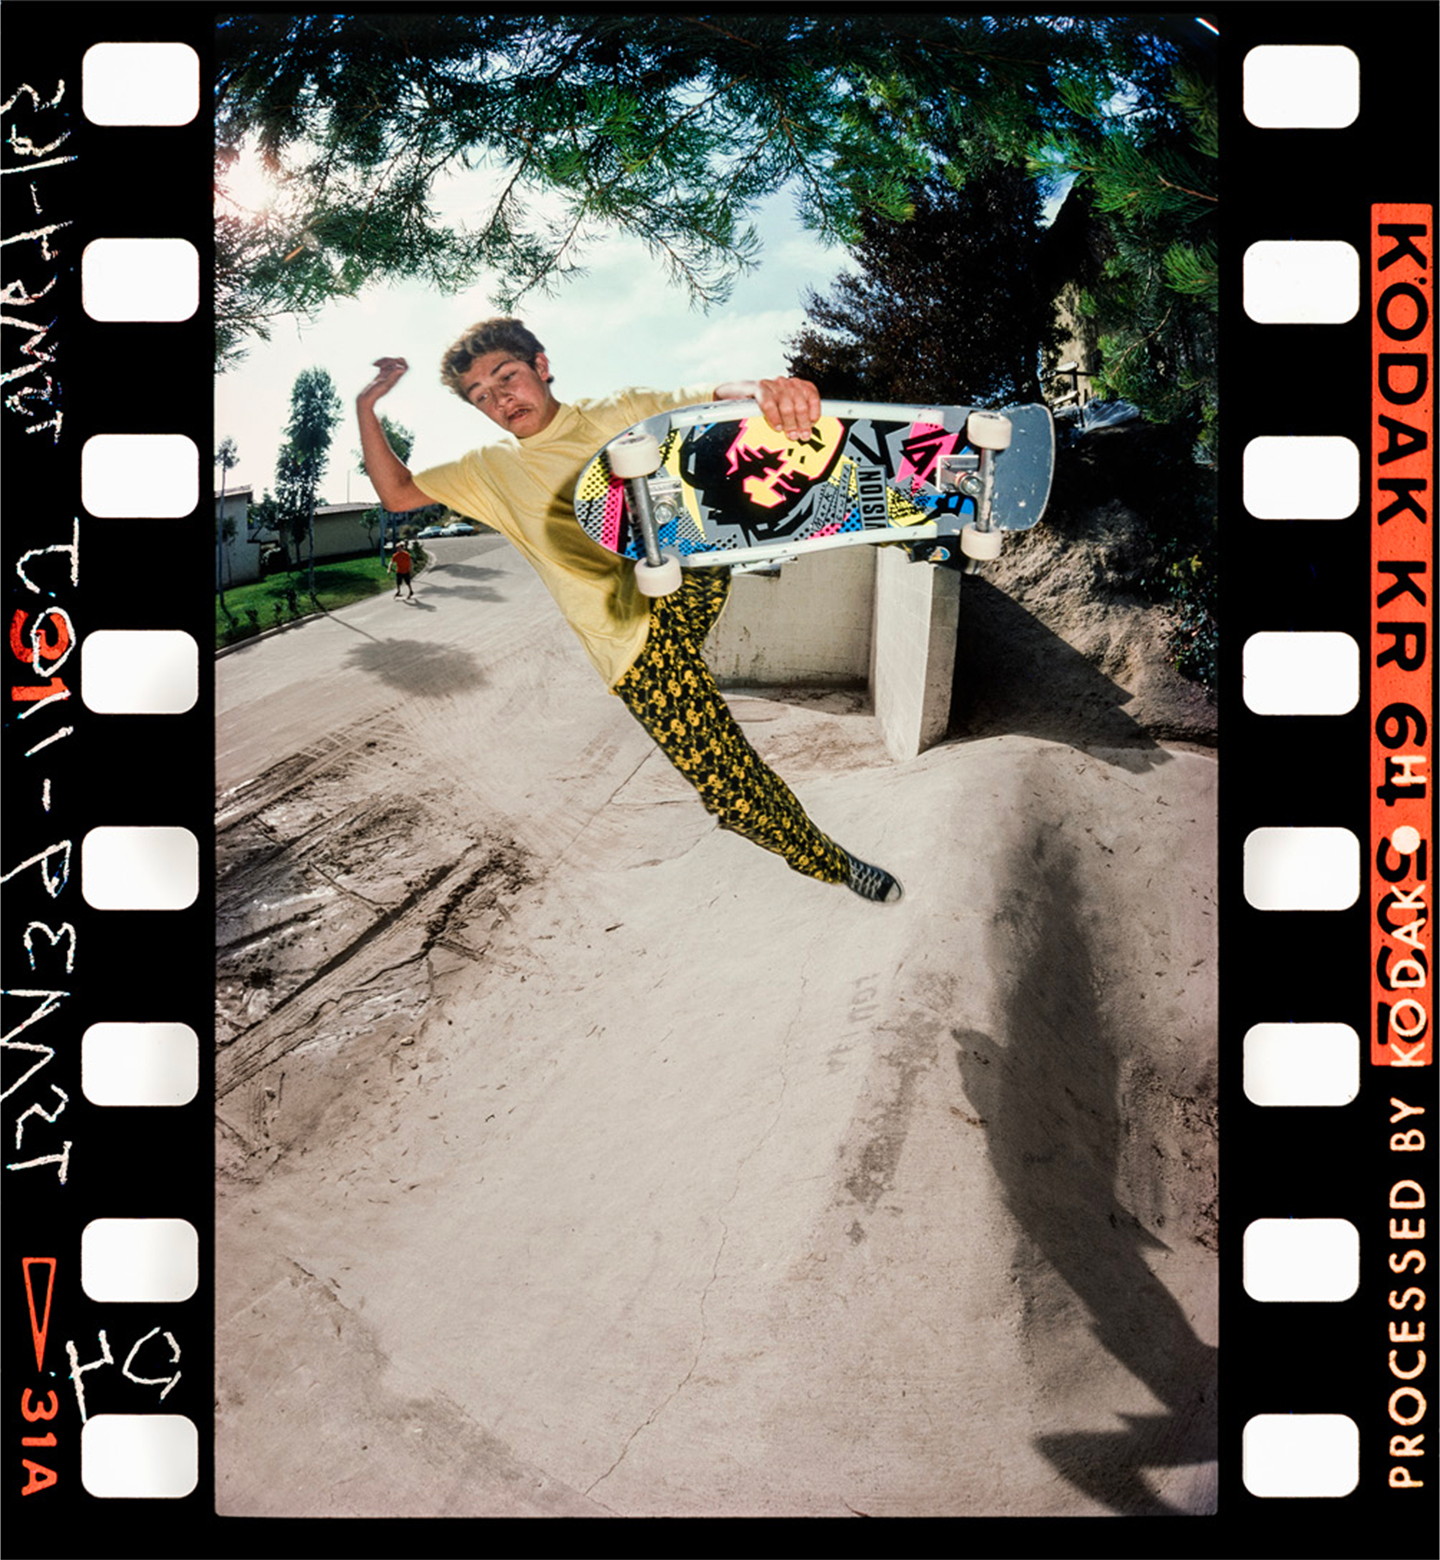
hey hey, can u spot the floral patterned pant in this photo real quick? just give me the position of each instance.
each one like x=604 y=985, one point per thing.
x=671 y=692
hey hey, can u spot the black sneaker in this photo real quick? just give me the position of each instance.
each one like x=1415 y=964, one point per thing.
x=873 y=883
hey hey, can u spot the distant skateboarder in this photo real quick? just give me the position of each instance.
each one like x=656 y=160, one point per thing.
x=402 y=566
x=647 y=650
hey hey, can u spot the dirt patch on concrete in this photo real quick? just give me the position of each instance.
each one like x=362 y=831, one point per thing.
x=338 y=905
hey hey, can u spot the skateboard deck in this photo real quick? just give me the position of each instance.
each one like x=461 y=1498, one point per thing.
x=727 y=489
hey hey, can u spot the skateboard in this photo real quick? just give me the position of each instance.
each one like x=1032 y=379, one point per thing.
x=716 y=486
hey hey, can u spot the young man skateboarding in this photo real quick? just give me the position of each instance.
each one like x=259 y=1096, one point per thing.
x=647 y=650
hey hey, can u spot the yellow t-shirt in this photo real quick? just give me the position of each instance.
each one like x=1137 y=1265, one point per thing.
x=525 y=489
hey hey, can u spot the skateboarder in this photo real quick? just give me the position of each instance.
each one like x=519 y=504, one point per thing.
x=401 y=563
x=648 y=651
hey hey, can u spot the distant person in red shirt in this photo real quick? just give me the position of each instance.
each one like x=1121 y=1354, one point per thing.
x=403 y=568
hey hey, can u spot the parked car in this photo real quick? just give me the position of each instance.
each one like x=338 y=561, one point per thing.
x=460 y=528
x=432 y=530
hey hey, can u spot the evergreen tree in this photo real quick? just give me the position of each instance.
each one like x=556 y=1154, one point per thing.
x=292 y=503
x=314 y=414
x=400 y=438
x=227 y=457
x=402 y=441
x=1149 y=178
x=946 y=306
x=666 y=126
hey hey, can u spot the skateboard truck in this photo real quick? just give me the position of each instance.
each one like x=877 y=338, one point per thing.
x=640 y=498
x=633 y=457
x=974 y=476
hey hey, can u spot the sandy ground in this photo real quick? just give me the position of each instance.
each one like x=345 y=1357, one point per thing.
x=577 y=1158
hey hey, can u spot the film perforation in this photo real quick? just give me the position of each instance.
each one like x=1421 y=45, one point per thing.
x=1309 y=484
x=140 y=1261
x=141 y=280
x=95 y=248
x=1302 y=86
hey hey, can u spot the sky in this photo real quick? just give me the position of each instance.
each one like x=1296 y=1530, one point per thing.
x=622 y=322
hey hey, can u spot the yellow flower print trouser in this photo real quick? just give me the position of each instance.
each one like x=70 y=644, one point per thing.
x=671 y=692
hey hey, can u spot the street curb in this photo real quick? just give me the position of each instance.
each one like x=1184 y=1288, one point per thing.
x=267 y=633
x=281 y=628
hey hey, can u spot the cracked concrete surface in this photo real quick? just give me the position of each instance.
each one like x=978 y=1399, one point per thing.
x=576 y=1158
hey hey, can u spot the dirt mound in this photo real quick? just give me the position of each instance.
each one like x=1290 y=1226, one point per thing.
x=1060 y=637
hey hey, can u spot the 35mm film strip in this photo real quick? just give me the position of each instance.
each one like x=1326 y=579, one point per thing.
x=1327 y=1093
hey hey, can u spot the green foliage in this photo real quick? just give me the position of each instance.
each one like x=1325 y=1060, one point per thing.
x=1184 y=571
x=1146 y=168
x=1123 y=111
x=666 y=126
x=337 y=584
x=1193 y=588
x=314 y=412
x=670 y=127
x=946 y=305
x=300 y=466
x=401 y=440
x=293 y=498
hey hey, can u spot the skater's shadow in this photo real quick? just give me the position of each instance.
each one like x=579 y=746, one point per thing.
x=465 y=581
x=463 y=571
x=1049 y=1088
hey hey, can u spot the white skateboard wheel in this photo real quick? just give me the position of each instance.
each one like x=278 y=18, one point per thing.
x=634 y=455
x=988 y=431
x=983 y=545
x=663 y=580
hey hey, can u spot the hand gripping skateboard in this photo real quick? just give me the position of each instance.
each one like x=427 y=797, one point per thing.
x=716 y=486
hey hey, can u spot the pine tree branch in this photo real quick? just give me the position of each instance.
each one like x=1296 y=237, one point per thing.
x=1184 y=190
x=1111 y=369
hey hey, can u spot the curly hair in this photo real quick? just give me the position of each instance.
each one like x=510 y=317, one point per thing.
x=497 y=335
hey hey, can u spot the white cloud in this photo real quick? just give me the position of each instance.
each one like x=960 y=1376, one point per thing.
x=621 y=323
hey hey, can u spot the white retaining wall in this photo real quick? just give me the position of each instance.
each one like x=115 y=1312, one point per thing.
x=808 y=626
x=851 y=617
x=912 y=659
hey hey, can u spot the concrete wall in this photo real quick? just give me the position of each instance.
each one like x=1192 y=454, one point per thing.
x=853 y=617
x=809 y=626
x=338 y=535
x=912 y=663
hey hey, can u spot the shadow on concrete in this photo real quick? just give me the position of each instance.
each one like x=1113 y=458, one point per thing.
x=1051 y=1097
x=417 y=667
x=1014 y=675
x=464 y=571
x=463 y=581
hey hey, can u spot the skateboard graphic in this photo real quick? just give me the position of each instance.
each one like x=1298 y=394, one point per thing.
x=716 y=485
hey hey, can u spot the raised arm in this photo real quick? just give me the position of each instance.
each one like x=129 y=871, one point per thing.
x=390 y=475
x=790 y=406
